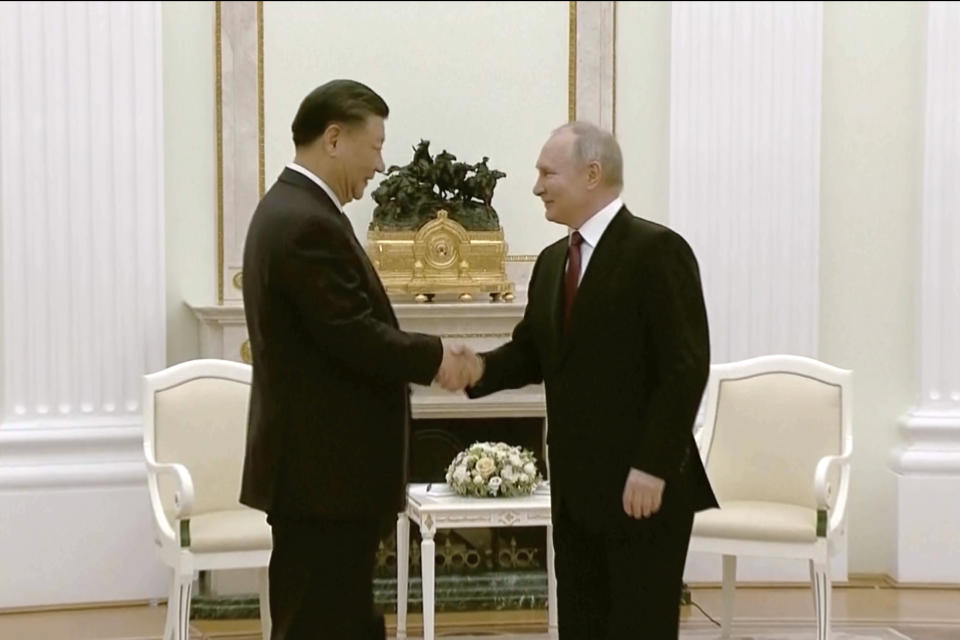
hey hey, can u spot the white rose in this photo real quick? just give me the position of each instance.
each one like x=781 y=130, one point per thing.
x=486 y=467
x=515 y=460
x=460 y=474
x=477 y=480
x=494 y=485
x=530 y=468
x=524 y=478
x=469 y=461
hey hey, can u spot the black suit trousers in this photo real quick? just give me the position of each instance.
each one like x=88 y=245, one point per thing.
x=321 y=579
x=620 y=586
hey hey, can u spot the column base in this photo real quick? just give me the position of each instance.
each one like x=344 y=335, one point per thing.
x=928 y=521
x=927 y=471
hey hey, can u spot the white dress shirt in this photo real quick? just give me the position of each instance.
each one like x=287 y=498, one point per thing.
x=323 y=185
x=592 y=230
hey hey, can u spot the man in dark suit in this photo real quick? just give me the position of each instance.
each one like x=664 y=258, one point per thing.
x=615 y=327
x=327 y=435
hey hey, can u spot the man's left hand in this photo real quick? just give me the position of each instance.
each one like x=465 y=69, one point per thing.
x=642 y=494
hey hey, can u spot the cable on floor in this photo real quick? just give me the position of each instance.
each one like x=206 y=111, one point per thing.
x=709 y=617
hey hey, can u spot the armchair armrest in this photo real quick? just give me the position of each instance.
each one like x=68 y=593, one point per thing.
x=831 y=500
x=183 y=497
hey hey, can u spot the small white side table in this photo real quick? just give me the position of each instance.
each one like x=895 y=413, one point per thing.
x=441 y=508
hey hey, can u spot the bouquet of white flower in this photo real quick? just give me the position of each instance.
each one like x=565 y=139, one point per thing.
x=488 y=470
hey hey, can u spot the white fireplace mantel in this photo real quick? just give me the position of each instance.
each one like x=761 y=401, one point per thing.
x=479 y=325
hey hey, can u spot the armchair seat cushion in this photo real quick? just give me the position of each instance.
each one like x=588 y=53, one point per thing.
x=235 y=530
x=759 y=521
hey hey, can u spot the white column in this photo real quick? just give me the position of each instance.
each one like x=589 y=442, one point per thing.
x=81 y=218
x=745 y=91
x=928 y=465
x=595 y=81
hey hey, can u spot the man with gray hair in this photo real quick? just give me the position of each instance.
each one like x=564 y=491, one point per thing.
x=615 y=327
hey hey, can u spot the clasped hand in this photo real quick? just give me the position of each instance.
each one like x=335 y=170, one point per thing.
x=460 y=368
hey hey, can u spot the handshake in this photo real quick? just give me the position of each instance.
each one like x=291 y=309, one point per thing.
x=460 y=368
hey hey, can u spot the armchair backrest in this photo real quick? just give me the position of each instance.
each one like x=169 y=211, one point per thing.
x=767 y=423
x=195 y=414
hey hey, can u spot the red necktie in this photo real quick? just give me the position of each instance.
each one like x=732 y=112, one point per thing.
x=572 y=277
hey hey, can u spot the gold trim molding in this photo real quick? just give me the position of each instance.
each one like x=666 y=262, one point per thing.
x=614 y=87
x=599 y=29
x=218 y=89
x=260 y=157
x=572 y=64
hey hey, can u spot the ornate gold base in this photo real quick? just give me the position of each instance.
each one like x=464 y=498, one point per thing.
x=441 y=260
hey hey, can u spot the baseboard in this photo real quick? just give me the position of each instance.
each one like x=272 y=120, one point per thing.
x=81 y=606
x=882 y=580
x=924 y=586
x=855 y=581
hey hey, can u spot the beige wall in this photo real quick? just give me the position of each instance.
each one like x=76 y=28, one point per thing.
x=643 y=105
x=869 y=234
x=190 y=170
x=476 y=78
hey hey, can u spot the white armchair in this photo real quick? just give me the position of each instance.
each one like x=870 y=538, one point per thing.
x=776 y=443
x=195 y=417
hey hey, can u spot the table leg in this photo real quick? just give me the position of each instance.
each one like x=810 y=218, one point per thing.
x=427 y=558
x=403 y=573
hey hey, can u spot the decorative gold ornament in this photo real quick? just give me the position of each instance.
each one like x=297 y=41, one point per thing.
x=441 y=259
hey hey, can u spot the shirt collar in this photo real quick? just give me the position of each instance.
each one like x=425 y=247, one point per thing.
x=317 y=179
x=593 y=228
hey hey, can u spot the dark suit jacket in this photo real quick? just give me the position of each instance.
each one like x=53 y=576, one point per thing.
x=624 y=380
x=329 y=405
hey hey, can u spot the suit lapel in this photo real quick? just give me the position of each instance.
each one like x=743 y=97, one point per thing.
x=373 y=279
x=557 y=263
x=602 y=263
